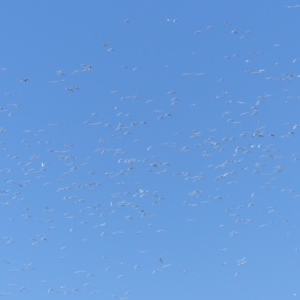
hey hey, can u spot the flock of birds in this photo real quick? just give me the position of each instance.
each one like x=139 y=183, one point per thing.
x=117 y=197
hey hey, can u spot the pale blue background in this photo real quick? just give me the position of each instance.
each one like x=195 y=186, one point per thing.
x=183 y=228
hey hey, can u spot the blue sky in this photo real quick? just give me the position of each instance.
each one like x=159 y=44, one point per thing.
x=149 y=149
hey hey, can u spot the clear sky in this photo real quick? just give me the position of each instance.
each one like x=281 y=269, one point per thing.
x=150 y=149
